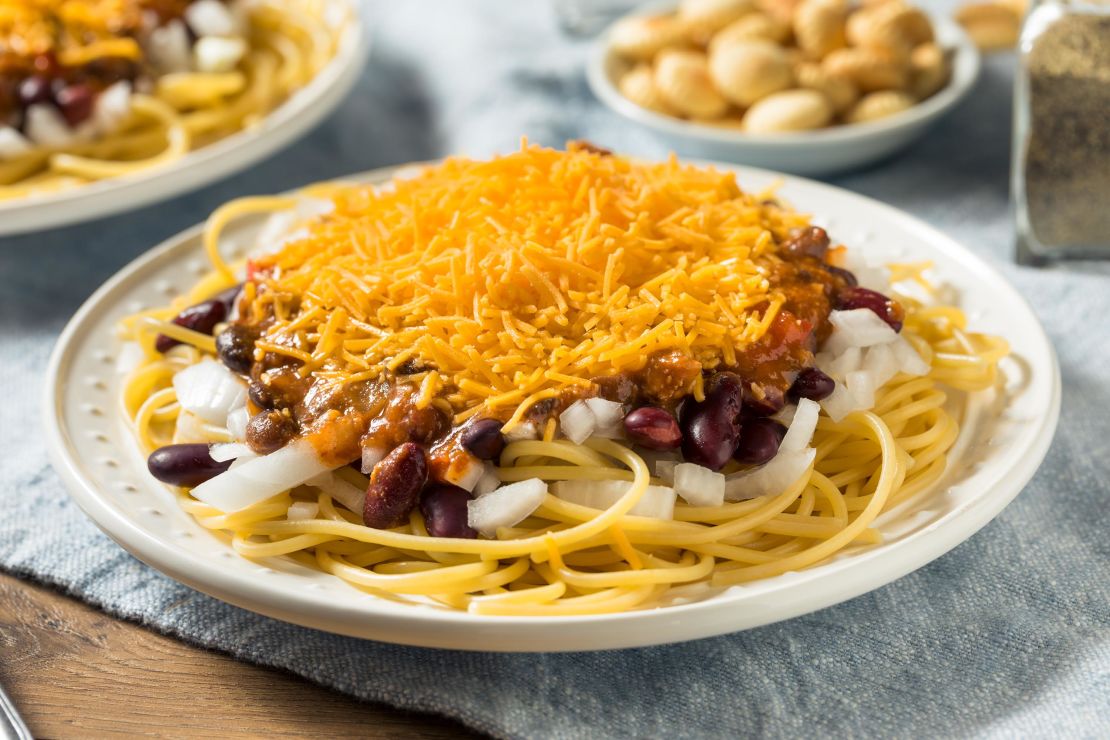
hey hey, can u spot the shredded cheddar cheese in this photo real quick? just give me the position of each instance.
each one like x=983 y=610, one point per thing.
x=79 y=31
x=505 y=282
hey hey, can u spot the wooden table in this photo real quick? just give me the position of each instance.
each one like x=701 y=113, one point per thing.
x=75 y=672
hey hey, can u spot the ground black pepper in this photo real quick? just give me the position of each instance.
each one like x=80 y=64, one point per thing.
x=1067 y=156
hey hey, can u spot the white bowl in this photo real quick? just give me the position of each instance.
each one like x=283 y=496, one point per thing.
x=818 y=152
x=294 y=118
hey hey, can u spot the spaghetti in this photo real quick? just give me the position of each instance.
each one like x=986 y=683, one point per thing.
x=105 y=88
x=553 y=383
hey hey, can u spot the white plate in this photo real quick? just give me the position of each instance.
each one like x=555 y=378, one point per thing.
x=818 y=152
x=1002 y=442
x=289 y=121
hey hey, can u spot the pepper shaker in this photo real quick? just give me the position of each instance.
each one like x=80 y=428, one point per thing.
x=1060 y=178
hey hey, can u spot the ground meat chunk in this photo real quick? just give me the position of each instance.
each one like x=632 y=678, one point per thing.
x=668 y=376
x=620 y=388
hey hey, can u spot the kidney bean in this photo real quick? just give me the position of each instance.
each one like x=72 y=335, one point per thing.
x=395 y=485
x=763 y=400
x=811 y=241
x=268 y=431
x=711 y=428
x=759 y=441
x=34 y=89
x=847 y=276
x=581 y=145
x=112 y=69
x=185 y=465
x=284 y=386
x=75 y=103
x=202 y=317
x=813 y=384
x=708 y=439
x=444 y=510
x=483 y=439
x=229 y=296
x=235 y=347
x=725 y=391
x=887 y=309
x=653 y=427
x=260 y=395
x=47 y=64
x=541 y=410
x=411 y=366
x=425 y=424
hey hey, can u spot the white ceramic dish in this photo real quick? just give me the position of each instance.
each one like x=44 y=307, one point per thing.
x=291 y=120
x=1003 y=440
x=819 y=152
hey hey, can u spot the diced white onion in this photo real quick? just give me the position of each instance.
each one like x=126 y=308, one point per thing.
x=577 y=422
x=371 y=456
x=301 y=510
x=241 y=461
x=880 y=361
x=785 y=415
x=800 y=431
x=277 y=229
x=112 y=107
x=310 y=208
x=840 y=365
x=773 y=478
x=860 y=327
x=262 y=478
x=210 y=18
x=169 y=47
x=652 y=458
x=525 y=430
x=335 y=15
x=46 y=127
x=839 y=403
x=209 y=390
x=657 y=502
x=863 y=354
x=12 y=143
x=664 y=470
x=465 y=472
x=130 y=357
x=351 y=497
x=909 y=361
x=861 y=385
x=506 y=506
x=699 y=486
x=489 y=481
x=608 y=416
x=856 y=393
x=225 y=451
x=237 y=422
x=275 y=234
x=869 y=274
x=216 y=54
x=190 y=428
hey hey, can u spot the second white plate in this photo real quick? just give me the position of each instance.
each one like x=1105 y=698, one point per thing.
x=288 y=122
x=1003 y=439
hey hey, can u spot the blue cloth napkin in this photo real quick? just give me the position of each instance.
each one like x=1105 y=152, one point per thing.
x=1008 y=635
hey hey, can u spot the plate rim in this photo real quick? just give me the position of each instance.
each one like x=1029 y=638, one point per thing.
x=455 y=630
x=294 y=118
